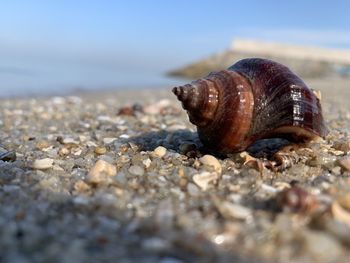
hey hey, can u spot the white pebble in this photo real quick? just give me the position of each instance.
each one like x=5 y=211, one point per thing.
x=176 y=127
x=147 y=162
x=210 y=160
x=78 y=152
x=57 y=168
x=43 y=164
x=230 y=210
x=108 y=140
x=69 y=140
x=91 y=144
x=204 y=179
x=268 y=188
x=160 y=151
x=83 y=138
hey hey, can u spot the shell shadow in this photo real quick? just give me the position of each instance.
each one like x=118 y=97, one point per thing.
x=169 y=139
x=266 y=148
x=173 y=140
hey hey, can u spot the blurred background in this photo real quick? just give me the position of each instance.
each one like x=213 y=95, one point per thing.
x=55 y=47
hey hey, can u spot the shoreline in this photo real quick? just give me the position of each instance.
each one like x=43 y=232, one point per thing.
x=84 y=92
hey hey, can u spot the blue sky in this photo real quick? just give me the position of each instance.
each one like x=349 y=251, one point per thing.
x=86 y=41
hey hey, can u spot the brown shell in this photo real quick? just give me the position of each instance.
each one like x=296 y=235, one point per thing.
x=253 y=99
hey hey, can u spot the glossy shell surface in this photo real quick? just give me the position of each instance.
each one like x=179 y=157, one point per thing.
x=251 y=100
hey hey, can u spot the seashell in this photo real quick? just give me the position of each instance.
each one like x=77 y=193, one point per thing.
x=253 y=99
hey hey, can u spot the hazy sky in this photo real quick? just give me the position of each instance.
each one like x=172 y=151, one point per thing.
x=84 y=38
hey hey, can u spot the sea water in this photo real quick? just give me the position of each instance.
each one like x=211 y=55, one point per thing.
x=59 y=79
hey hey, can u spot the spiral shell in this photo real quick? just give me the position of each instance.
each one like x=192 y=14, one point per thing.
x=251 y=100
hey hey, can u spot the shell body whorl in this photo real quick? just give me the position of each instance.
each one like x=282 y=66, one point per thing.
x=253 y=99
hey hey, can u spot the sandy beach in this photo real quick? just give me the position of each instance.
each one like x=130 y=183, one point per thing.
x=120 y=176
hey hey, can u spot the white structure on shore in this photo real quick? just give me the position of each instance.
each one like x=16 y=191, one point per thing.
x=333 y=56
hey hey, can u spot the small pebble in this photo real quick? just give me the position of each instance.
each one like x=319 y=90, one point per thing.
x=176 y=127
x=210 y=160
x=69 y=140
x=340 y=213
x=42 y=145
x=160 y=151
x=136 y=170
x=57 y=168
x=336 y=170
x=230 y=210
x=147 y=162
x=91 y=144
x=108 y=140
x=345 y=162
x=101 y=171
x=100 y=150
x=78 y=152
x=192 y=189
x=187 y=147
x=81 y=200
x=155 y=108
x=43 y=164
x=343 y=146
x=80 y=186
x=204 y=179
x=64 y=151
x=268 y=188
x=344 y=201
